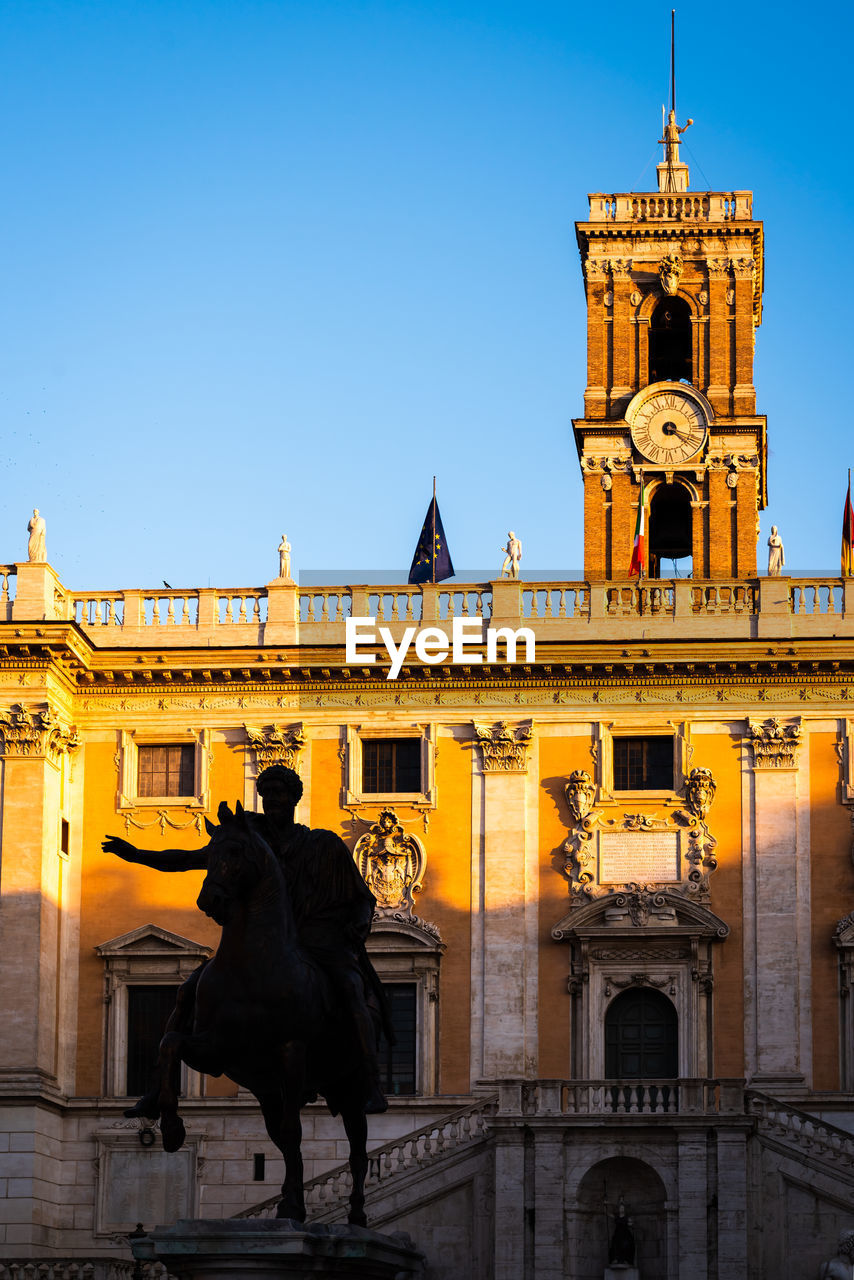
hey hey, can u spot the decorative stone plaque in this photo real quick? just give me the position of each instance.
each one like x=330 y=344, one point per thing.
x=642 y=857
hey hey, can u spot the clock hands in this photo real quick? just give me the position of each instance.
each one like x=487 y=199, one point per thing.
x=671 y=429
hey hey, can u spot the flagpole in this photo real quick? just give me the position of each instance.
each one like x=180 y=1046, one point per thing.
x=433 y=555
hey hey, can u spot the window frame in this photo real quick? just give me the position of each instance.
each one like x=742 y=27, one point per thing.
x=403 y=952
x=128 y=761
x=146 y=957
x=608 y=733
x=355 y=795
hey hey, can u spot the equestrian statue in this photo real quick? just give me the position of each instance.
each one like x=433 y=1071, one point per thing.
x=289 y=1007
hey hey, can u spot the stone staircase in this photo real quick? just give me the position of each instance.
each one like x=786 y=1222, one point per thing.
x=803 y=1135
x=326 y=1196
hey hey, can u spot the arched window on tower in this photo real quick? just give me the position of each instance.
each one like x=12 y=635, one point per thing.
x=670 y=354
x=670 y=530
x=641 y=1036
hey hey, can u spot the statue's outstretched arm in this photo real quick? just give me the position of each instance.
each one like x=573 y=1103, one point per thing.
x=157 y=859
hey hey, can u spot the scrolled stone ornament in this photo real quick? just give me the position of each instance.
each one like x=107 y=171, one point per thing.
x=699 y=792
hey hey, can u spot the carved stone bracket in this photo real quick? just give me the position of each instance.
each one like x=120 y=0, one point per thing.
x=276 y=744
x=504 y=747
x=36 y=732
x=775 y=743
x=392 y=864
x=684 y=840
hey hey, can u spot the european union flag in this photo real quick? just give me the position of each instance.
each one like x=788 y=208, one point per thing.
x=432 y=560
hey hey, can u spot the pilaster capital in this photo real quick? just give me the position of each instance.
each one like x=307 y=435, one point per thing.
x=276 y=744
x=776 y=743
x=36 y=732
x=504 y=747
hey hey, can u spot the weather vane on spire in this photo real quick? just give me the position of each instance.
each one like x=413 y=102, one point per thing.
x=672 y=174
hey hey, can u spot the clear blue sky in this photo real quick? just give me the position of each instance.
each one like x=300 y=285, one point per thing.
x=268 y=266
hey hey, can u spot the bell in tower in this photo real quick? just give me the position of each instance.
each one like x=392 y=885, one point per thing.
x=673 y=283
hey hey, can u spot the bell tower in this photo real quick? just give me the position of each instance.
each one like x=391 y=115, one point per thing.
x=673 y=281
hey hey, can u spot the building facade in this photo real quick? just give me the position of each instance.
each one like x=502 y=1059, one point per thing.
x=613 y=867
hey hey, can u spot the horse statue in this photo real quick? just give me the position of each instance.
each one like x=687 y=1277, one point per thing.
x=265 y=1014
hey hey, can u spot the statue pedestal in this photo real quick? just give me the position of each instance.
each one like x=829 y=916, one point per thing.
x=231 y=1248
x=621 y=1271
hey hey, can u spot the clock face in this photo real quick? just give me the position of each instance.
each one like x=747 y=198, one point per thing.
x=669 y=427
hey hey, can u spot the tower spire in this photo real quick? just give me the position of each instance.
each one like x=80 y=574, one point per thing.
x=672 y=174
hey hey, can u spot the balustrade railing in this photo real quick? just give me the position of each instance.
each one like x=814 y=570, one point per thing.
x=711 y=206
x=605 y=1098
x=81 y=1269
x=797 y=606
x=779 y=1120
x=7 y=577
x=328 y=1192
x=819 y=595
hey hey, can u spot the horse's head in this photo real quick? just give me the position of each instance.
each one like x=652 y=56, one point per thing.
x=238 y=857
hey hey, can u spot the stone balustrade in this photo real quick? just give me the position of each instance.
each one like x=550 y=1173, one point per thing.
x=81 y=1269
x=583 y=1099
x=326 y=1195
x=816 y=1137
x=8 y=572
x=707 y=206
x=284 y=613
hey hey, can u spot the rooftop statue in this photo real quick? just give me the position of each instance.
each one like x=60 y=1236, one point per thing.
x=289 y=1007
x=285 y=558
x=776 y=554
x=36 y=551
x=671 y=138
x=513 y=554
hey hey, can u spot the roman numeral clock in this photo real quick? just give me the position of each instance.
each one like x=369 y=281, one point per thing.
x=669 y=424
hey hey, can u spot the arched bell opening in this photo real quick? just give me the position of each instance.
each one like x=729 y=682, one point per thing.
x=670 y=345
x=670 y=532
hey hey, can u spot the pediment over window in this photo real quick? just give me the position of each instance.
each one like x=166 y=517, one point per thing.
x=152 y=941
x=655 y=912
x=404 y=933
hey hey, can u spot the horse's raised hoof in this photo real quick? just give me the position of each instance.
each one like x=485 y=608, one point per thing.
x=376 y=1104
x=357 y=1218
x=172 y=1133
x=147 y=1106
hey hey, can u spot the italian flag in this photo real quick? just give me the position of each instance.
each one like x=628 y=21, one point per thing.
x=848 y=536
x=636 y=567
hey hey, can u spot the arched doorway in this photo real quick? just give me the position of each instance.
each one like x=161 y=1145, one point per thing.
x=670 y=530
x=641 y=1036
x=670 y=343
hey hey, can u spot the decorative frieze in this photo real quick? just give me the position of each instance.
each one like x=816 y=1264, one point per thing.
x=504 y=747
x=36 y=732
x=775 y=742
x=392 y=864
x=276 y=744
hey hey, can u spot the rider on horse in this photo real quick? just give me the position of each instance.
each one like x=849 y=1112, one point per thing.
x=332 y=905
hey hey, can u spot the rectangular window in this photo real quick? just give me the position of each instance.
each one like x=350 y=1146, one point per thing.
x=391 y=764
x=148 y=1013
x=397 y=1061
x=166 y=770
x=643 y=764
